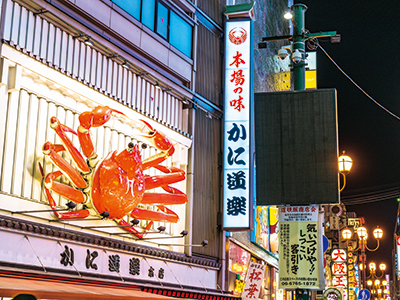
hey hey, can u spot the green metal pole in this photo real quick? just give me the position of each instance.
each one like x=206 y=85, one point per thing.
x=299 y=44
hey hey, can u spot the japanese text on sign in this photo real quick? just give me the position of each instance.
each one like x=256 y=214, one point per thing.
x=255 y=276
x=237 y=129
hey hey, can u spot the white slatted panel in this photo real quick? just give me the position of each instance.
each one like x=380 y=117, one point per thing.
x=59 y=48
x=25 y=128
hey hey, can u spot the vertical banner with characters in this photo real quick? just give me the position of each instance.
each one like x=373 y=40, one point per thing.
x=300 y=248
x=238 y=129
x=254 y=279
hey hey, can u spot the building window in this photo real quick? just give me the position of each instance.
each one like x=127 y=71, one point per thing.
x=148 y=13
x=132 y=7
x=180 y=35
x=161 y=19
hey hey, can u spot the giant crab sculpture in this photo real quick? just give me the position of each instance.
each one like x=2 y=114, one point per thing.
x=112 y=187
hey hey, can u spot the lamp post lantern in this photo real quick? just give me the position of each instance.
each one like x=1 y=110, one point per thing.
x=345 y=164
x=362 y=245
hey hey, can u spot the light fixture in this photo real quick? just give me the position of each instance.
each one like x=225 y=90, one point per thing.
x=161 y=228
x=378 y=233
x=377 y=282
x=382 y=267
x=288 y=15
x=88 y=42
x=135 y=222
x=369 y=282
x=372 y=266
x=346 y=233
x=158 y=86
x=125 y=65
x=384 y=282
x=362 y=232
x=345 y=163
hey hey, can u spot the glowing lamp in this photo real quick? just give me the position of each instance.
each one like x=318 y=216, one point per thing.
x=362 y=232
x=346 y=234
x=288 y=15
x=382 y=267
x=378 y=233
x=345 y=163
x=372 y=266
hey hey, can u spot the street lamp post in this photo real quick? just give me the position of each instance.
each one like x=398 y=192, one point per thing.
x=362 y=245
x=372 y=270
x=345 y=164
x=377 y=288
x=299 y=46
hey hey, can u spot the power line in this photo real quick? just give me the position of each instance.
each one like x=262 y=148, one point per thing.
x=374 y=196
x=316 y=44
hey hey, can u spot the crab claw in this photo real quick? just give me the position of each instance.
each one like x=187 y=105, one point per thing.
x=159 y=139
x=161 y=142
x=97 y=117
x=94 y=118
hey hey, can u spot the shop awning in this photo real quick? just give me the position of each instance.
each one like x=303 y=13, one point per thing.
x=62 y=290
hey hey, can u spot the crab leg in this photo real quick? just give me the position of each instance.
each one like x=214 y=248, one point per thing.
x=66 y=191
x=173 y=175
x=173 y=196
x=131 y=229
x=94 y=118
x=51 y=151
x=164 y=215
x=75 y=155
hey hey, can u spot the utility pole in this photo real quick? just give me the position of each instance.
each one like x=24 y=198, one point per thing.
x=299 y=76
x=299 y=38
x=297 y=54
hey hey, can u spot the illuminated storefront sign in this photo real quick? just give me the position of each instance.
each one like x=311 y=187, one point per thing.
x=300 y=248
x=237 y=130
x=64 y=257
x=339 y=270
x=266 y=225
x=397 y=254
x=254 y=278
x=238 y=260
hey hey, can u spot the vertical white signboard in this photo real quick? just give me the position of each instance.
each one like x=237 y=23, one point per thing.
x=237 y=135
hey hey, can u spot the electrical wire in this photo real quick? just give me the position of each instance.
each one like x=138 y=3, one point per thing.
x=313 y=44
x=373 y=196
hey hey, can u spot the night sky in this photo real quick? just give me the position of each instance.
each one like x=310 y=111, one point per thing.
x=369 y=53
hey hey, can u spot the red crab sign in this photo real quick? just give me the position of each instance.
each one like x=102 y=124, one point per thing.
x=112 y=187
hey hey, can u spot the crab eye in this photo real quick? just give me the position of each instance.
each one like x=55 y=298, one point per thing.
x=130 y=147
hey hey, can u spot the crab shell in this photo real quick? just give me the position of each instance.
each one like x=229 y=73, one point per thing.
x=118 y=183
